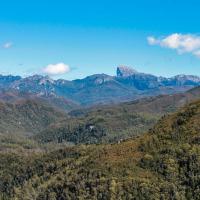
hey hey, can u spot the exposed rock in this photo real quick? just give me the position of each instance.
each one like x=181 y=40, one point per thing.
x=124 y=71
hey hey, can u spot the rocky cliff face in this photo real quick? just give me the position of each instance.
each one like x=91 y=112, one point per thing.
x=124 y=71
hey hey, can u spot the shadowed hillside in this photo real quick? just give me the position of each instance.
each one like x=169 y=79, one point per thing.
x=27 y=116
x=14 y=96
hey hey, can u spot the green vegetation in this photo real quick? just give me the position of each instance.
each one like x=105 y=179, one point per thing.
x=45 y=124
x=162 y=164
x=101 y=124
x=27 y=117
x=98 y=126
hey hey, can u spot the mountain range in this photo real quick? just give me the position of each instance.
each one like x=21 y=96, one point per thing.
x=128 y=84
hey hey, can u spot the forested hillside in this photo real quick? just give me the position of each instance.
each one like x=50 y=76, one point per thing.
x=43 y=123
x=99 y=126
x=27 y=116
x=161 y=164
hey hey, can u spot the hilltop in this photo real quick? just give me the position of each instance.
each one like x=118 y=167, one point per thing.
x=27 y=116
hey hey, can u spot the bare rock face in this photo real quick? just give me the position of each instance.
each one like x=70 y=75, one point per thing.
x=124 y=71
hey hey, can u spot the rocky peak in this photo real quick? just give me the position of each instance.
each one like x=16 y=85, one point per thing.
x=182 y=77
x=96 y=79
x=9 y=78
x=37 y=79
x=124 y=71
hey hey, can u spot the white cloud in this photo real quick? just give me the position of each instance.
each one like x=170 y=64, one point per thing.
x=56 y=69
x=183 y=43
x=7 y=45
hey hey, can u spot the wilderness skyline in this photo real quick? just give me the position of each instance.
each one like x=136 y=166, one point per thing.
x=99 y=100
x=75 y=39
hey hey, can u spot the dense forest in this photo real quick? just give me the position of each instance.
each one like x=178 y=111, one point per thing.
x=163 y=163
x=42 y=123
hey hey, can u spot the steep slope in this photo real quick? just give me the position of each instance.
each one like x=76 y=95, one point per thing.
x=162 y=164
x=59 y=102
x=7 y=81
x=96 y=89
x=27 y=116
x=124 y=71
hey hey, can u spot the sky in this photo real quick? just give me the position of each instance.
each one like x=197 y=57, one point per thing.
x=74 y=39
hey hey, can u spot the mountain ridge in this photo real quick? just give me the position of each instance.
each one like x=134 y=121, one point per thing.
x=100 y=88
x=27 y=116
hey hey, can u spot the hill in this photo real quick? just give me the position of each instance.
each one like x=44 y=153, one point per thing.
x=39 y=120
x=14 y=96
x=27 y=116
x=112 y=123
x=43 y=123
x=102 y=126
x=162 y=164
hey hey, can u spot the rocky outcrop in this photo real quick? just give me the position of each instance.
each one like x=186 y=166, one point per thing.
x=124 y=71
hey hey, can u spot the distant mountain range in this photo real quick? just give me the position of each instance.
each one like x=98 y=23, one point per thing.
x=156 y=105
x=128 y=84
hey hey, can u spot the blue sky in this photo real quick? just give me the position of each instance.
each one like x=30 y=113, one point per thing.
x=90 y=37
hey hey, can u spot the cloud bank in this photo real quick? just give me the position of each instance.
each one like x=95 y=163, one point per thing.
x=182 y=43
x=56 y=69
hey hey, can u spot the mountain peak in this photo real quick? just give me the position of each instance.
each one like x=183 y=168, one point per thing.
x=124 y=71
x=41 y=79
x=187 y=77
